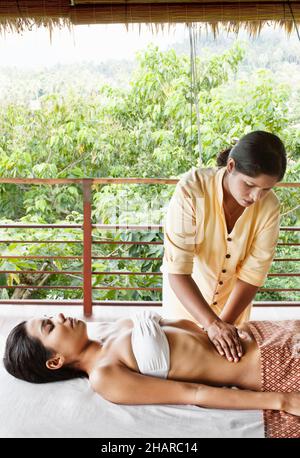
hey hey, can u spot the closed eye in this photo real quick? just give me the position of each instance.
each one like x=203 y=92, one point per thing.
x=252 y=186
x=50 y=324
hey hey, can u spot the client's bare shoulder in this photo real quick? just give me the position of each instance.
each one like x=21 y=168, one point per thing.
x=100 y=374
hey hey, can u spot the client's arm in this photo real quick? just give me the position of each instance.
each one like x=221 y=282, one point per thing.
x=120 y=385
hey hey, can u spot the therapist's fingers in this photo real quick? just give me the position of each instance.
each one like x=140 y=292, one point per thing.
x=218 y=347
x=222 y=348
x=232 y=345
x=235 y=345
x=238 y=343
x=239 y=347
x=226 y=335
x=228 y=348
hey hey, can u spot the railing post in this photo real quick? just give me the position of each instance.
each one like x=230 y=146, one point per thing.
x=87 y=246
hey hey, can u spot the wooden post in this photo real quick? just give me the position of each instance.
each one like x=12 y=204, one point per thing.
x=87 y=247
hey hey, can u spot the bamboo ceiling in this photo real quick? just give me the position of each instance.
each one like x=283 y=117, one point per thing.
x=21 y=15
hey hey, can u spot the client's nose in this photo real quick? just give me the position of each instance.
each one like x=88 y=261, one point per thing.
x=61 y=317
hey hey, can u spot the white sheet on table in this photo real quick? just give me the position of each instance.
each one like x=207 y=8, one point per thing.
x=72 y=409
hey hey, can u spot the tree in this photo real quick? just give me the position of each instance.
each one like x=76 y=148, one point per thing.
x=148 y=130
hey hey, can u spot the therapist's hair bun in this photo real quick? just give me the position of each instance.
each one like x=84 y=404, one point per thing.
x=223 y=156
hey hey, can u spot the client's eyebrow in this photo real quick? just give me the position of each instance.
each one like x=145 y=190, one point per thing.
x=42 y=326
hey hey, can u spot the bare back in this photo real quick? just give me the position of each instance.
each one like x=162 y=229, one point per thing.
x=193 y=357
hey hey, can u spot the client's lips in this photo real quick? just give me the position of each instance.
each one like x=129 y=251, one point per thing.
x=71 y=322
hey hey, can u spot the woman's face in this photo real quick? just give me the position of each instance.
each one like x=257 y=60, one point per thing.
x=65 y=336
x=245 y=189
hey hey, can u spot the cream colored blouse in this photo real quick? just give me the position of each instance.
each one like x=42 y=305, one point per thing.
x=196 y=241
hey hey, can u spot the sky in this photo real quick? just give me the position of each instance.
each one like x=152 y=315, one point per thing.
x=88 y=43
x=83 y=43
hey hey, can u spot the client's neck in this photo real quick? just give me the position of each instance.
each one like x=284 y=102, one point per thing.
x=89 y=357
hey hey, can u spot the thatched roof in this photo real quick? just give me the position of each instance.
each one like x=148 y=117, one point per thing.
x=20 y=15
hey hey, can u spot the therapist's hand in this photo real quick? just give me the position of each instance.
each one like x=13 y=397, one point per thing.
x=226 y=339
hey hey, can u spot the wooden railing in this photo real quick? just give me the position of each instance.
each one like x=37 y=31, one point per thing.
x=87 y=255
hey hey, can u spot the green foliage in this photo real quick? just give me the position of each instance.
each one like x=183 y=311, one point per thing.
x=147 y=129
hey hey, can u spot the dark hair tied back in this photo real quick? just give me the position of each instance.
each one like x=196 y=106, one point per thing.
x=223 y=156
x=257 y=153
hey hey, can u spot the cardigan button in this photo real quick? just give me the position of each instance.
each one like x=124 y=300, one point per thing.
x=220 y=283
x=228 y=256
x=229 y=239
x=223 y=271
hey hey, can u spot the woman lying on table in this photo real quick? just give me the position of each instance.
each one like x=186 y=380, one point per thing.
x=150 y=360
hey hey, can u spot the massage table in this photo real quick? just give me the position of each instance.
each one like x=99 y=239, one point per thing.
x=71 y=409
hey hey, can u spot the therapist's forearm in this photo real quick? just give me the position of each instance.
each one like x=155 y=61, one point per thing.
x=190 y=296
x=242 y=294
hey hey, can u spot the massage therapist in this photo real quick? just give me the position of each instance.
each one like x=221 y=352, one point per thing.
x=220 y=235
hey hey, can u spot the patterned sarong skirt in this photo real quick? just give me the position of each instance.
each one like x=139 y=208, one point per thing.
x=279 y=344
